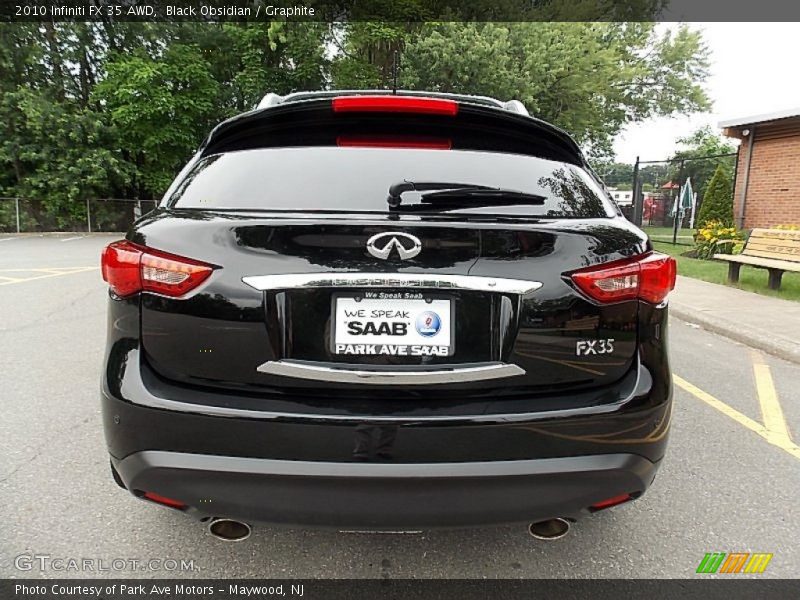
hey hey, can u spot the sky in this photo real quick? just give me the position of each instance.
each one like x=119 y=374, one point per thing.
x=752 y=72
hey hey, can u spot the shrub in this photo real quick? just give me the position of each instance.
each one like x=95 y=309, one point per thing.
x=717 y=202
x=788 y=227
x=716 y=237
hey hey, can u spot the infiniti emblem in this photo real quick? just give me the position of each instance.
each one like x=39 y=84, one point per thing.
x=381 y=245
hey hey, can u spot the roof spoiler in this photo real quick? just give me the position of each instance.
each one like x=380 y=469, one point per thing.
x=271 y=99
x=520 y=130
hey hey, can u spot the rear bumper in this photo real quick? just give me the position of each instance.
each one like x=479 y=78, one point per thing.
x=383 y=467
x=386 y=496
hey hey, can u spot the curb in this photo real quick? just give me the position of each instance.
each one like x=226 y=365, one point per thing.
x=766 y=342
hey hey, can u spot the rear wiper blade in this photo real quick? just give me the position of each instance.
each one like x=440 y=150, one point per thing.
x=396 y=190
x=478 y=197
x=448 y=194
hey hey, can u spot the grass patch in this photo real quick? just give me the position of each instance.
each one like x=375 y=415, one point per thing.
x=664 y=234
x=750 y=278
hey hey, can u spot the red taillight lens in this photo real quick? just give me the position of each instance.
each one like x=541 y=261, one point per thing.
x=657 y=278
x=608 y=503
x=129 y=268
x=120 y=267
x=650 y=278
x=355 y=141
x=403 y=104
x=153 y=497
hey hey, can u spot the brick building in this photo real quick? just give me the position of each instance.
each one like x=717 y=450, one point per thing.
x=767 y=188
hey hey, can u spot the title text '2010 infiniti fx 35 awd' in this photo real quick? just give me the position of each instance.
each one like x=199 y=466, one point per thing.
x=386 y=311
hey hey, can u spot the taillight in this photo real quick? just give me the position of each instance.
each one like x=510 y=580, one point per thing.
x=366 y=141
x=403 y=104
x=650 y=278
x=658 y=277
x=129 y=268
x=120 y=266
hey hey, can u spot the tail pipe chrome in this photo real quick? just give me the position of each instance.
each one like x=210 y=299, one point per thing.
x=229 y=530
x=551 y=529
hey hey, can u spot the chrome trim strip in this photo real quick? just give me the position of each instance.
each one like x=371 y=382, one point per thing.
x=391 y=280
x=300 y=370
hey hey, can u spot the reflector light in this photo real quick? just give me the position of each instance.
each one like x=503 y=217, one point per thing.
x=129 y=268
x=153 y=497
x=650 y=278
x=393 y=142
x=401 y=104
x=608 y=503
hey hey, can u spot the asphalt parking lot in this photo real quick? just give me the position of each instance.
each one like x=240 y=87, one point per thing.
x=730 y=482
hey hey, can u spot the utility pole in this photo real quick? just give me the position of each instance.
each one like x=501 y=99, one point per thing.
x=637 y=201
x=677 y=205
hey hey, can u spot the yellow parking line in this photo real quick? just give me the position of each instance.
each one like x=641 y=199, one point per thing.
x=11 y=278
x=51 y=274
x=47 y=269
x=771 y=410
x=784 y=443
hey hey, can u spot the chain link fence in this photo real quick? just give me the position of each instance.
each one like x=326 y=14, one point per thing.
x=28 y=215
x=657 y=186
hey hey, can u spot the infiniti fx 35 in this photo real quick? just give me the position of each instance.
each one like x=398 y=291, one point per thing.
x=377 y=310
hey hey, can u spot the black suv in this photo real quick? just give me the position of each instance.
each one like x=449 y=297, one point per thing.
x=386 y=311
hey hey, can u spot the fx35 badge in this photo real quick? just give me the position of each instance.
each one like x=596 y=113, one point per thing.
x=587 y=347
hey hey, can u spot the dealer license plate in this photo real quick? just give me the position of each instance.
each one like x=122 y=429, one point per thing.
x=393 y=326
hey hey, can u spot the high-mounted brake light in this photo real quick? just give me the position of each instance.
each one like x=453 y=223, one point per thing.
x=650 y=278
x=356 y=141
x=401 y=104
x=129 y=268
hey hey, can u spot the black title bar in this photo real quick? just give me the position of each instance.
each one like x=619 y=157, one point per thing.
x=397 y=589
x=397 y=11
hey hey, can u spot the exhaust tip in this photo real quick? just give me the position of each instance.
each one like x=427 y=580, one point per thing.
x=229 y=530
x=551 y=529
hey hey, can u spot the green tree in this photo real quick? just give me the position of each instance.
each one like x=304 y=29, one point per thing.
x=365 y=53
x=589 y=78
x=616 y=174
x=63 y=155
x=717 y=202
x=251 y=59
x=109 y=109
x=705 y=151
x=162 y=109
x=54 y=146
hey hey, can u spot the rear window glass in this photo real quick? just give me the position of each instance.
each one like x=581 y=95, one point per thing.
x=358 y=180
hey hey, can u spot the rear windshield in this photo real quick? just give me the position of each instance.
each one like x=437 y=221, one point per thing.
x=358 y=180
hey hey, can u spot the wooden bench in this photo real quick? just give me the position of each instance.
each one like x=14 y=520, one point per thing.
x=776 y=250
